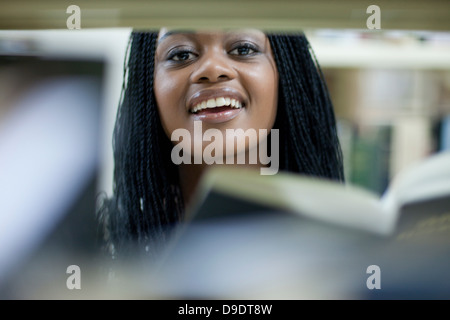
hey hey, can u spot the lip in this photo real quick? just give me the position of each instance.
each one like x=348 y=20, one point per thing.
x=217 y=117
x=206 y=94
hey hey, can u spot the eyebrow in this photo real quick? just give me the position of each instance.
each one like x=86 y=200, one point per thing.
x=173 y=32
x=184 y=31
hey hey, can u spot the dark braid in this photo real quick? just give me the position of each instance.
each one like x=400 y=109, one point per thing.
x=305 y=113
x=147 y=199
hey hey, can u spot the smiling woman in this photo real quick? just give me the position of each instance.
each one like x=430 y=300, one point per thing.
x=238 y=80
x=221 y=80
x=199 y=72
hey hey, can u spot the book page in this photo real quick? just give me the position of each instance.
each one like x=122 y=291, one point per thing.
x=320 y=199
x=425 y=180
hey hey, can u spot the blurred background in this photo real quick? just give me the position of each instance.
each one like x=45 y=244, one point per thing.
x=390 y=87
x=390 y=90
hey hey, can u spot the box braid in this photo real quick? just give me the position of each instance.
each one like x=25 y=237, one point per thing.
x=308 y=139
x=147 y=200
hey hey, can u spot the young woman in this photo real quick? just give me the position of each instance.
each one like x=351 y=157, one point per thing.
x=240 y=79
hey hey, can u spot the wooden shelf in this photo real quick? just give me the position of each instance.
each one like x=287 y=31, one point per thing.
x=264 y=14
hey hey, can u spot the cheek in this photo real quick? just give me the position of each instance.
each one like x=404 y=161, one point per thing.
x=263 y=84
x=168 y=94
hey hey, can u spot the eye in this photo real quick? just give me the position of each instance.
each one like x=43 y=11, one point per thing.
x=244 y=49
x=181 y=55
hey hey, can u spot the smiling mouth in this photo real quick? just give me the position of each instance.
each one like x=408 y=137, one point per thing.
x=217 y=105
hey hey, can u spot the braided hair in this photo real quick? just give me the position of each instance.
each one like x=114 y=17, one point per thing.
x=308 y=138
x=147 y=200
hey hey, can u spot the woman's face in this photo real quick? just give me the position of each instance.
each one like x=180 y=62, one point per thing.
x=226 y=80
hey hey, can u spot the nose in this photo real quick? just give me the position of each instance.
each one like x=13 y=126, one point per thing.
x=214 y=66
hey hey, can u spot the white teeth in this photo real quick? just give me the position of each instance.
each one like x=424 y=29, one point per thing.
x=211 y=103
x=218 y=102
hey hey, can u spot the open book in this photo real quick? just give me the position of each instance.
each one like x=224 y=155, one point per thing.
x=420 y=190
x=292 y=236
